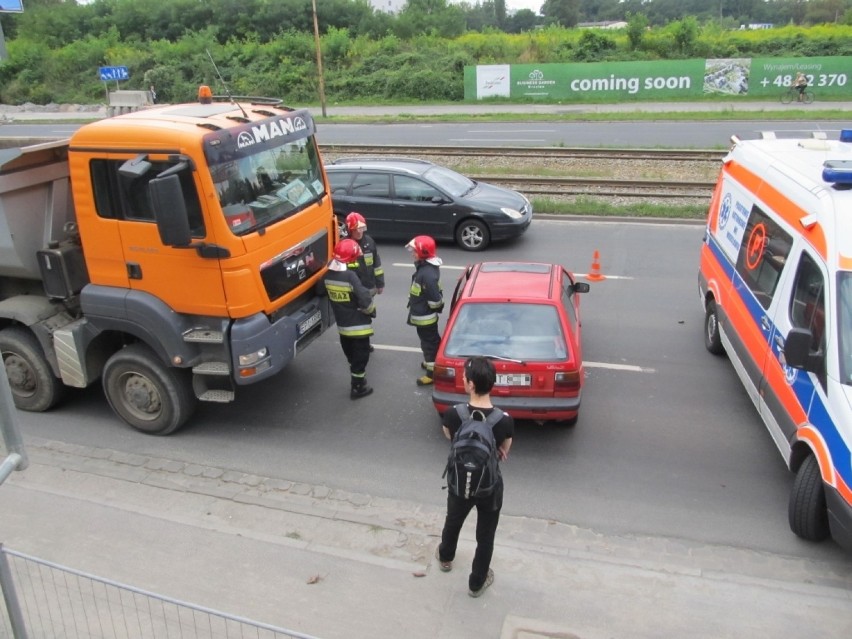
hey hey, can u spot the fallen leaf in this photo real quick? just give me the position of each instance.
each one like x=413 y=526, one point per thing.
x=419 y=574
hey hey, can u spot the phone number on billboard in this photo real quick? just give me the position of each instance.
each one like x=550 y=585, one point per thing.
x=822 y=80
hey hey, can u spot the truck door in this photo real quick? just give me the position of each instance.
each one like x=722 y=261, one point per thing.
x=760 y=269
x=790 y=394
x=185 y=281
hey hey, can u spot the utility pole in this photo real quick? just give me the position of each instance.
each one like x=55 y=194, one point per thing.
x=319 y=58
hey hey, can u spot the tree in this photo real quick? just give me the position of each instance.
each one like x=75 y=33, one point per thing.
x=637 y=26
x=562 y=12
x=520 y=21
x=685 y=34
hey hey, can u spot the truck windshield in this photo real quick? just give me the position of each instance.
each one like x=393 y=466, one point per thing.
x=275 y=182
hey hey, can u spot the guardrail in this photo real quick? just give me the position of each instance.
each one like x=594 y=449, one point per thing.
x=44 y=599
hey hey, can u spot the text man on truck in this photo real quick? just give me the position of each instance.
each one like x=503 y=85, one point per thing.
x=171 y=253
x=775 y=283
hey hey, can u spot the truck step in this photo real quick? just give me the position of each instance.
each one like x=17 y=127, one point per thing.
x=204 y=336
x=212 y=368
x=222 y=396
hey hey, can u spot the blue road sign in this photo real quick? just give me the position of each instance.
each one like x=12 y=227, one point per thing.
x=11 y=6
x=113 y=73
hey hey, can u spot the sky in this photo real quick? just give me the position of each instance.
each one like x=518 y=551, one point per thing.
x=532 y=5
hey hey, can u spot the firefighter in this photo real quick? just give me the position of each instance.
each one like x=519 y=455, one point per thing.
x=425 y=301
x=354 y=311
x=369 y=265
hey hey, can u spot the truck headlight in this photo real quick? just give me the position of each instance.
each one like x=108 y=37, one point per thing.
x=253 y=358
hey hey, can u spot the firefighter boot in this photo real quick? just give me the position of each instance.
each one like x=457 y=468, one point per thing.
x=359 y=388
x=426 y=378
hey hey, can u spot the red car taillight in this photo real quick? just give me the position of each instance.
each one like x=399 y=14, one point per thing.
x=445 y=374
x=569 y=381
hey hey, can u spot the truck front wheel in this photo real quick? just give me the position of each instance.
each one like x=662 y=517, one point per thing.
x=147 y=394
x=33 y=384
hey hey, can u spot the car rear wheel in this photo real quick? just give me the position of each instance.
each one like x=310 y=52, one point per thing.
x=712 y=339
x=472 y=235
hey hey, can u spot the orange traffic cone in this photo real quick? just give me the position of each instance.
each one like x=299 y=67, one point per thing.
x=595 y=274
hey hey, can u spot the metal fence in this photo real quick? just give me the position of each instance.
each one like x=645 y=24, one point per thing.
x=45 y=600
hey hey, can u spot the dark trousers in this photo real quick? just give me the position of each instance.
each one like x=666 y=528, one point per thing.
x=430 y=340
x=487 y=517
x=357 y=351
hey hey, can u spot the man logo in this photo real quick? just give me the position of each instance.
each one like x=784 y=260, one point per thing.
x=244 y=139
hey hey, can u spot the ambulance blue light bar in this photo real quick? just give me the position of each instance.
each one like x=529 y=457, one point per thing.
x=839 y=172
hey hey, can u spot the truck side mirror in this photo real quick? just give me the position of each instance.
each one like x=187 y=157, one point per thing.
x=797 y=351
x=170 y=211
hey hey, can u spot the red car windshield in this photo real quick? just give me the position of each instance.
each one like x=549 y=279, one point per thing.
x=528 y=332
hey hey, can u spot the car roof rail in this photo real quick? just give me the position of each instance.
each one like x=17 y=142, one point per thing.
x=381 y=160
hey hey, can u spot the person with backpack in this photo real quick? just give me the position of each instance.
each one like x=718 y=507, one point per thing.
x=481 y=436
x=425 y=301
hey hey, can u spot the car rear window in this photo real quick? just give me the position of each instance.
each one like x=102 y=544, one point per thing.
x=528 y=332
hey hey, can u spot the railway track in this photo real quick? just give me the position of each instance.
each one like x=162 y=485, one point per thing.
x=561 y=187
x=663 y=155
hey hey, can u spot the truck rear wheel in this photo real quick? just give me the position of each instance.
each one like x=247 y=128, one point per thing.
x=807 y=510
x=146 y=393
x=34 y=386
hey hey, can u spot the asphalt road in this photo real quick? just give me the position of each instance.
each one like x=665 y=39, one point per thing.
x=681 y=135
x=668 y=444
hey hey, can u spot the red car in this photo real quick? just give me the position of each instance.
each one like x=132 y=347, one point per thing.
x=525 y=316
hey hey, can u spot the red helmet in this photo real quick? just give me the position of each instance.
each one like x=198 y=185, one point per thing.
x=355 y=220
x=347 y=251
x=422 y=246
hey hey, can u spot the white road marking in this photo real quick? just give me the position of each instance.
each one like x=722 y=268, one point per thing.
x=627 y=368
x=450 y=267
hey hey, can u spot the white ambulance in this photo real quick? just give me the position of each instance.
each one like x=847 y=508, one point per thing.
x=775 y=282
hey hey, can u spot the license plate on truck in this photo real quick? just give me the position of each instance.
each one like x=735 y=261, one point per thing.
x=513 y=379
x=308 y=324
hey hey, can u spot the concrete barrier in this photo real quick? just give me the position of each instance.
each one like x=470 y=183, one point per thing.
x=127 y=101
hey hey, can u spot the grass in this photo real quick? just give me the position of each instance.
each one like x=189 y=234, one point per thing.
x=590 y=207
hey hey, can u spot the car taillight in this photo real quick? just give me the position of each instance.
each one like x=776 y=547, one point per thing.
x=569 y=381
x=446 y=374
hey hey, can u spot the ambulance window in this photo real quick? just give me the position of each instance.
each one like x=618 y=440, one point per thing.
x=762 y=256
x=807 y=305
x=844 y=312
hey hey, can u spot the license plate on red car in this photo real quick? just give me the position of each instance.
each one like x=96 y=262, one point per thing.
x=513 y=379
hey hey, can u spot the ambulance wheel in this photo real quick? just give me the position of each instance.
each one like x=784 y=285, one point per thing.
x=147 y=394
x=32 y=382
x=807 y=511
x=472 y=235
x=712 y=339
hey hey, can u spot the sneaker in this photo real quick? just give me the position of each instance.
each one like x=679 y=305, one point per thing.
x=424 y=366
x=426 y=380
x=488 y=581
x=445 y=566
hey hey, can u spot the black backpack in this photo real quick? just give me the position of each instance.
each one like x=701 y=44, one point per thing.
x=472 y=468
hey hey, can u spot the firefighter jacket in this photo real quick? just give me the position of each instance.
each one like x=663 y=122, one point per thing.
x=351 y=302
x=369 y=265
x=425 y=298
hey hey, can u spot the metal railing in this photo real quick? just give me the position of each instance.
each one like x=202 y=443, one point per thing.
x=44 y=599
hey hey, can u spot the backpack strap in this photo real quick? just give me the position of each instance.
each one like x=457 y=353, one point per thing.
x=494 y=417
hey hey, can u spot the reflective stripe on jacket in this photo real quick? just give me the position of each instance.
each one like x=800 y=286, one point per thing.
x=351 y=303
x=425 y=297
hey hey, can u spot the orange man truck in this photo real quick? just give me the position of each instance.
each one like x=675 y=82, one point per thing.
x=171 y=253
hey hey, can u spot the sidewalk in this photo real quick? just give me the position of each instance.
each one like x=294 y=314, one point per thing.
x=252 y=545
x=12 y=114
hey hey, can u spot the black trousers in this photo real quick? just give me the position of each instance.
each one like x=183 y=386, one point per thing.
x=357 y=351
x=487 y=518
x=430 y=340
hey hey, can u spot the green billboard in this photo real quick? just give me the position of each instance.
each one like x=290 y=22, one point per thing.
x=659 y=80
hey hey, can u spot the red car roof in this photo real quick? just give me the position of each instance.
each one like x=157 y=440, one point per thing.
x=516 y=280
